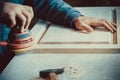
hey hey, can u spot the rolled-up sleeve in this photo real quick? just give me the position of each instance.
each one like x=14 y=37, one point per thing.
x=56 y=11
x=1 y=9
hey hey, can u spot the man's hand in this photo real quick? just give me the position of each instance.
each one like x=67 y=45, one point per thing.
x=88 y=23
x=16 y=14
x=52 y=76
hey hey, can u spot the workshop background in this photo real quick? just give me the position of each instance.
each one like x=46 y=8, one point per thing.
x=79 y=3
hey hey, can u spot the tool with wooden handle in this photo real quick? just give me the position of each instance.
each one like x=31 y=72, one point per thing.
x=45 y=73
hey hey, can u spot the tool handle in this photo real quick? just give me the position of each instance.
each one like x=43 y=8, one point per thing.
x=45 y=73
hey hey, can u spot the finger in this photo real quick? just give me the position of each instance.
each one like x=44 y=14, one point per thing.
x=115 y=25
x=103 y=23
x=107 y=26
x=30 y=9
x=30 y=14
x=28 y=18
x=111 y=25
x=85 y=27
x=12 y=19
x=22 y=22
x=52 y=76
x=47 y=78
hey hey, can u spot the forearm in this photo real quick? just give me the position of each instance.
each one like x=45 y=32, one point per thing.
x=56 y=11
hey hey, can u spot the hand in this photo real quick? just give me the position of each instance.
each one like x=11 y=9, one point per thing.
x=52 y=76
x=88 y=23
x=16 y=14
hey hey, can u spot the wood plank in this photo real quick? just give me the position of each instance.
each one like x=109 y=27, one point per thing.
x=118 y=24
x=60 y=34
x=39 y=29
x=78 y=47
x=115 y=21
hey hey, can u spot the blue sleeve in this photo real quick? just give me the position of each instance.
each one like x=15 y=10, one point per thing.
x=56 y=11
x=1 y=9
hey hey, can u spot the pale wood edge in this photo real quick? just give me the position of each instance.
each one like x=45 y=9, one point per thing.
x=73 y=43
x=77 y=51
x=83 y=48
x=118 y=24
x=115 y=33
x=38 y=30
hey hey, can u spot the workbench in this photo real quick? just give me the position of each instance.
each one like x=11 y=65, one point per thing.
x=79 y=66
x=91 y=66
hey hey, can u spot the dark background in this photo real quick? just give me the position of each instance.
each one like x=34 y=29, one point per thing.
x=79 y=3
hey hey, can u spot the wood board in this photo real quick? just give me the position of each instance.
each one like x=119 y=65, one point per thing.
x=58 y=38
x=61 y=35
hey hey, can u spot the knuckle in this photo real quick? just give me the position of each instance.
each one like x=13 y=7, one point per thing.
x=31 y=8
x=29 y=16
x=103 y=23
x=11 y=14
x=103 y=19
x=81 y=24
x=16 y=8
x=77 y=24
x=32 y=15
x=31 y=11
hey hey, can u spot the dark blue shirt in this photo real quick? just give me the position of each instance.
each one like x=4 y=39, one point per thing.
x=56 y=11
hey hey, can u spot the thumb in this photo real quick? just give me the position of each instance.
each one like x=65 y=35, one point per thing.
x=85 y=27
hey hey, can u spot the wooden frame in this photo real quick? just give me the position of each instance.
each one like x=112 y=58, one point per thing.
x=40 y=29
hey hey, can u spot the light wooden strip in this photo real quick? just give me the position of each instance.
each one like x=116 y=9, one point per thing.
x=115 y=33
x=39 y=29
x=77 y=49
x=74 y=43
x=118 y=24
x=61 y=34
